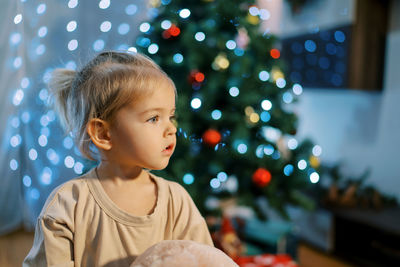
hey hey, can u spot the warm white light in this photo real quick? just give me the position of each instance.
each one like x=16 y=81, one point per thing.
x=234 y=91
x=200 y=36
x=195 y=103
x=314 y=177
x=266 y=105
x=17 y=18
x=302 y=164
x=71 y=26
x=105 y=26
x=184 y=13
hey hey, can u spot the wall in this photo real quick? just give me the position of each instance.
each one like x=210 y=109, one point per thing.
x=359 y=128
x=316 y=15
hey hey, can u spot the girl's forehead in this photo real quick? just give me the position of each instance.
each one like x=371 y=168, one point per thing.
x=162 y=96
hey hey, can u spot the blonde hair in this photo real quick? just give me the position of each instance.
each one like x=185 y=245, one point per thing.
x=103 y=86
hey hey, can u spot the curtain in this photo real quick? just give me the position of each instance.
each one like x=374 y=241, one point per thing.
x=37 y=36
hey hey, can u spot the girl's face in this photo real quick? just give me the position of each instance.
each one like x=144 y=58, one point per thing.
x=143 y=134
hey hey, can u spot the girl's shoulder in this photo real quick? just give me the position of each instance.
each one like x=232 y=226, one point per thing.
x=171 y=187
x=173 y=193
x=66 y=195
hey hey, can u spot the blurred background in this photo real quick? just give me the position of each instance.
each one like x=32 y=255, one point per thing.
x=287 y=109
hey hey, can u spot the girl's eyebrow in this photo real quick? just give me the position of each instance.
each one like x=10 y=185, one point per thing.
x=156 y=109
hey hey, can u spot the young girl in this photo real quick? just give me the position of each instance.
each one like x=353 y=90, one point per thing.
x=120 y=107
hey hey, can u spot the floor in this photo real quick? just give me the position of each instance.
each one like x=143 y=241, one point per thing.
x=14 y=247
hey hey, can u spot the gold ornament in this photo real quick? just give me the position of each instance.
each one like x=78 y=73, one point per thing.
x=248 y=110
x=220 y=62
x=155 y=3
x=314 y=162
x=253 y=19
x=276 y=73
x=254 y=117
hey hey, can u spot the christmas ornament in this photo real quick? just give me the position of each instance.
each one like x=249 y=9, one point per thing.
x=261 y=177
x=211 y=137
x=155 y=3
x=253 y=19
x=228 y=241
x=276 y=73
x=314 y=162
x=173 y=31
x=242 y=38
x=283 y=148
x=275 y=53
x=220 y=62
x=196 y=77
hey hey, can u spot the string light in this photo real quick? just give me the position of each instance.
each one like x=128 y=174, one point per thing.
x=297 y=89
x=71 y=26
x=166 y=24
x=230 y=44
x=234 y=91
x=280 y=82
x=152 y=49
x=98 y=45
x=104 y=4
x=73 y=45
x=195 y=103
x=13 y=164
x=317 y=150
x=216 y=114
x=144 y=27
x=242 y=148
x=131 y=9
x=184 y=13
x=314 y=177
x=302 y=164
x=266 y=105
x=15 y=38
x=215 y=183
x=264 y=14
x=263 y=75
x=27 y=181
x=288 y=169
x=222 y=177
x=42 y=32
x=41 y=9
x=17 y=18
x=269 y=150
x=105 y=26
x=72 y=3
x=178 y=58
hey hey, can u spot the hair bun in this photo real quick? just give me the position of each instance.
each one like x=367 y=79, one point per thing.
x=60 y=86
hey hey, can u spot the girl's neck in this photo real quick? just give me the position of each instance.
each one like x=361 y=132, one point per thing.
x=108 y=172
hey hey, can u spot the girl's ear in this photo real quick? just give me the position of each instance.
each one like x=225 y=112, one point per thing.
x=99 y=132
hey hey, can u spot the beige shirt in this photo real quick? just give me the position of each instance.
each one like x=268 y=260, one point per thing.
x=80 y=225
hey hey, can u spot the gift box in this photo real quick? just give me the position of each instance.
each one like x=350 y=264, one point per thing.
x=266 y=260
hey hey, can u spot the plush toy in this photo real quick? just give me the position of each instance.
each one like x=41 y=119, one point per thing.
x=178 y=253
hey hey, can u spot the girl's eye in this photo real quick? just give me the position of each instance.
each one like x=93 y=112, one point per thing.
x=173 y=119
x=153 y=119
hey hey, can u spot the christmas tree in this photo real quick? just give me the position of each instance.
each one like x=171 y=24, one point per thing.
x=235 y=126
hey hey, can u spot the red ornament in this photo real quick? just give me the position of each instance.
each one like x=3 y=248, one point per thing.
x=196 y=77
x=172 y=31
x=211 y=137
x=261 y=177
x=275 y=53
x=199 y=77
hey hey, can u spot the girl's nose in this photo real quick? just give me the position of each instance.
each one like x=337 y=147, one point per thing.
x=171 y=128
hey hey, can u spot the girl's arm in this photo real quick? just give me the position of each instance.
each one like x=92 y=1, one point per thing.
x=52 y=245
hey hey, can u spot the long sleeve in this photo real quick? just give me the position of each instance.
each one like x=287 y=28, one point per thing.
x=52 y=245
